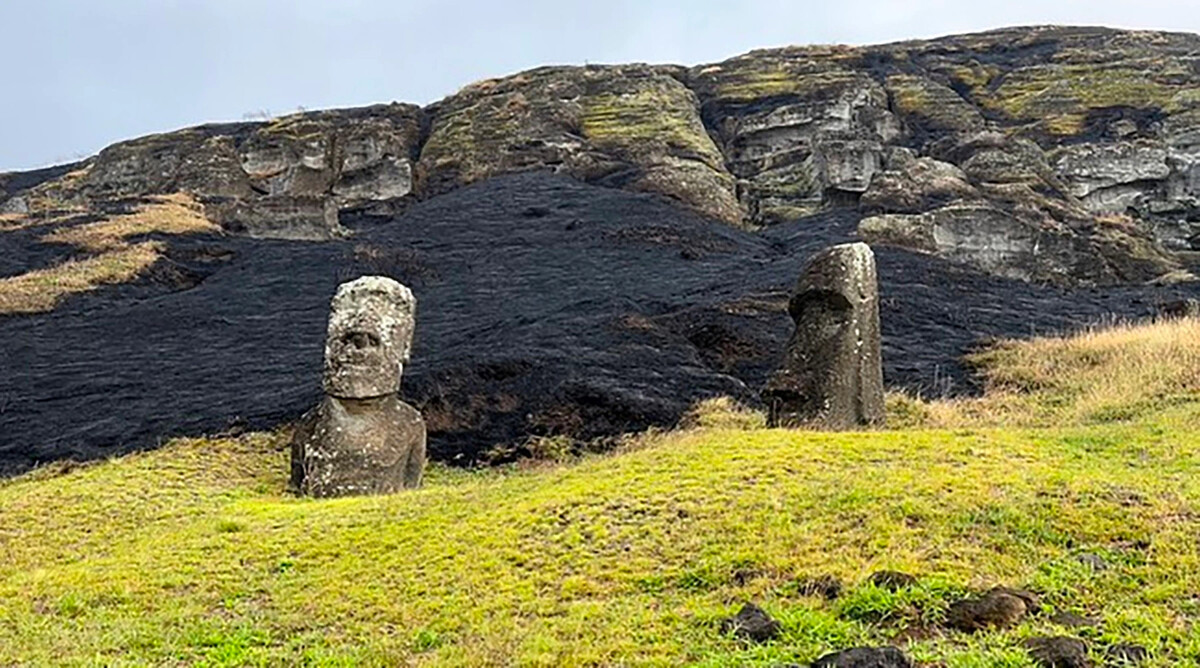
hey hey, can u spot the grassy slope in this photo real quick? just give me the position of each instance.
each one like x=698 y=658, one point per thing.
x=195 y=555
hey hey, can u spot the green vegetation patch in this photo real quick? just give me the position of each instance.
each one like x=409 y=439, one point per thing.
x=1062 y=95
x=658 y=115
x=746 y=81
x=194 y=554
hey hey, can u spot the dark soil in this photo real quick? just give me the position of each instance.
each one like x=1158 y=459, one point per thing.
x=545 y=306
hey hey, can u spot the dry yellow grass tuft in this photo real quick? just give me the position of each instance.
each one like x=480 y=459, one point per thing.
x=116 y=260
x=1107 y=374
x=40 y=290
x=11 y=221
x=169 y=214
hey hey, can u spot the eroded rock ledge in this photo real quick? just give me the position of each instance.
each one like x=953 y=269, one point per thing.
x=1066 y=155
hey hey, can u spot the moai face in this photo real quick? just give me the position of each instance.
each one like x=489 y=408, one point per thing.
x=370 y=335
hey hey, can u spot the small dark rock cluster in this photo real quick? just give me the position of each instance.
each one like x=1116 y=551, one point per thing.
x=996 y=609
x=892 y=580
x=825 y=586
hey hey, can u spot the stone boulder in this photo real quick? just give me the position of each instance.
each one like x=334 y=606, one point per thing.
x=832 y=372
x=202 y=161
x=635 y=127
x=357 y=157
x=271 y=179
x=301 y=217
x=909 y=184
x=361 y=439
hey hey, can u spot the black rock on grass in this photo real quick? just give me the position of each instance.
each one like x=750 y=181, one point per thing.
x=997 y=609
x=1058 y=652
x=865 y=657
x=825 y=586
x=752 y=624
x=1125 y=655
x=892 y=580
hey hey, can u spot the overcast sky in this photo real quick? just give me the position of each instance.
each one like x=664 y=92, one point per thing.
x=81 y=74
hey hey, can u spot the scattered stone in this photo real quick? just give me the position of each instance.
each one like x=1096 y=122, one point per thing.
x=1072 y=620
x=1180 y=308
x=865 y=657
x=752 y=623
x=1123 y=655
x=1033 y=604
x=832 y=372
x=997 y=609
x=361 y=439
x=1058 y=652
x=17 y=205
x=892 y=580
x=825 y=586
x=1092 y=561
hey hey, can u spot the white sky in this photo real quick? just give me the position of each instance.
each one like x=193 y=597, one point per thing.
x=80 y=74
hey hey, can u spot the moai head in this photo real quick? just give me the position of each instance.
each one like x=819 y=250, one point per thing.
x=831 y=372
x=837 y=284
x=371 y=323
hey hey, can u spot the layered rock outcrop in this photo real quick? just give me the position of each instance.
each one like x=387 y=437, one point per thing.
x=636 y=127
x=1069 y=155
x=287 y=178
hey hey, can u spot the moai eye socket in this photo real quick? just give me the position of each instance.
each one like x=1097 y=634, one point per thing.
x=361 y=340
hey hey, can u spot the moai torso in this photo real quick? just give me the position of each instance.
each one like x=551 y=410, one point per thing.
x=361 y=438
x=832 y=373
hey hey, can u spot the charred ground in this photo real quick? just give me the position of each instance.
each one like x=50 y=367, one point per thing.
x=546 y=306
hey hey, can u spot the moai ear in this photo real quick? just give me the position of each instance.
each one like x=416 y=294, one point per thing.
x=406 y=325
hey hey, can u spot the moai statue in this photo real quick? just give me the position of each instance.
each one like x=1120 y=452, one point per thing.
x=832 y=372
x=361 y=439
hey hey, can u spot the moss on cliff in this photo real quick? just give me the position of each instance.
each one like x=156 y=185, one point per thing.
x=634 y=126
x=1062 y=95
x=624 y=121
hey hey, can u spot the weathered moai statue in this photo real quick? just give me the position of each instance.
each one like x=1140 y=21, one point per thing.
x=832 y=373
x=361 y=439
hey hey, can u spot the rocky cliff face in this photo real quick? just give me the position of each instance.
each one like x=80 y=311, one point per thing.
x=1065 y=155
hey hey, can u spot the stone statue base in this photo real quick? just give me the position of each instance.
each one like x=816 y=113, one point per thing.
x=349 y=447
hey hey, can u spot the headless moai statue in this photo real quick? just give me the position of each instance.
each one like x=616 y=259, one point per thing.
x=832 y=372
x=361 y=439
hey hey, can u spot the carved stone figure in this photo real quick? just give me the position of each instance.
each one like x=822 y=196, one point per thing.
x=361 y=438
x=832 y=373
